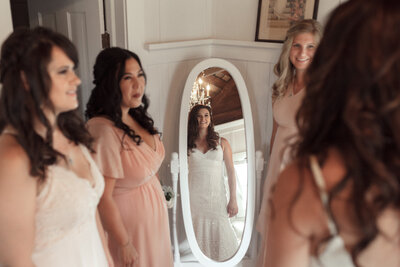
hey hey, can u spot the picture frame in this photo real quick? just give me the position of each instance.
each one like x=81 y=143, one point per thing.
x=275 y=17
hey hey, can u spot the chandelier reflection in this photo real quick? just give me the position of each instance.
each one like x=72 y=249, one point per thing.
x=200 y=93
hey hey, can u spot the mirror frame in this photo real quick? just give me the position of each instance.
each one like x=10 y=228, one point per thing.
x=183 y=164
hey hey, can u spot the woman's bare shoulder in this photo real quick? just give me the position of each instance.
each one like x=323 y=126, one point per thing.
x=299 y=172
x=13 y=158
x=10 y=148
x=333 y=168
x=297 y=192
x=100 y=122
x=224 y=142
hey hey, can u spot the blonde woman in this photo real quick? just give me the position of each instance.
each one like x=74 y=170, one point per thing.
x=287 y=93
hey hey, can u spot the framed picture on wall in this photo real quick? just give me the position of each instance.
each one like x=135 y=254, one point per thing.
x=275 y=17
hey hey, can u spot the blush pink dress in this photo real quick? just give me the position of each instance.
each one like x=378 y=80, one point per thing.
x=284 y=112
x=137 y=193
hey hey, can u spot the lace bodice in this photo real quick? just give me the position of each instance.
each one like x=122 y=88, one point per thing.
x=66 y=203
x=206 y=182
x=210 y=161
x=208 y=201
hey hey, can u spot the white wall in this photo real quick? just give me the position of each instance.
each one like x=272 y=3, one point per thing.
x=177 y=20
x=234 y=132
x=234 y=19
x=5 y=20
x=237 y=19
x=159 y=31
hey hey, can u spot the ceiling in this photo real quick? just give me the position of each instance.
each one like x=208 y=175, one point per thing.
x=225 y=100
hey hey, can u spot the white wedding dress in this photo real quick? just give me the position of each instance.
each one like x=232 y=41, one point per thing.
x=66 y=229
x=208 y=203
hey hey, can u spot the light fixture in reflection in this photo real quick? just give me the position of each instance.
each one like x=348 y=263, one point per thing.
x=200 y=93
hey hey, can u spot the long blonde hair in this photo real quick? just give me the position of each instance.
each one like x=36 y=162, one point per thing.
x=284 y=69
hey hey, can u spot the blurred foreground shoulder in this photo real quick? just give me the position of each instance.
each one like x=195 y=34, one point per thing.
x=18 y=191
x=13 y=159
x=295 y=191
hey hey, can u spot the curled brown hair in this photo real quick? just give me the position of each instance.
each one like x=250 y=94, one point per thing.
x=193 y=129
x=28 y=51
x=106 y=97
x=352 y=103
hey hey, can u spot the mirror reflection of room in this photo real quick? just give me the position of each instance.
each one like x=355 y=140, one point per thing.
x=217 y=164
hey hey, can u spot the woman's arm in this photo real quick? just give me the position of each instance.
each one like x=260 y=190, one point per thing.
x=18 y=191
x=232 y=205
x=113 y=224
x=292 y=220
x=271 y=142
x=104 y=240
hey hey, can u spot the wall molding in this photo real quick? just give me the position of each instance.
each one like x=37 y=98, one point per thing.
x=216 y=42
x=206 y=48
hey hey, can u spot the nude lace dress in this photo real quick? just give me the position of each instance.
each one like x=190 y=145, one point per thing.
x=66 y=229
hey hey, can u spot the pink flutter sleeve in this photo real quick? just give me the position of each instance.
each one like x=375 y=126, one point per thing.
x=107 y=146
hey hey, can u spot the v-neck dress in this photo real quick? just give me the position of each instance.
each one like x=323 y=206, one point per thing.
x=137 y=192
x=66 y=228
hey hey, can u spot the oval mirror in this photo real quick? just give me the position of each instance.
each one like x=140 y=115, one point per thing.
x=218 y=224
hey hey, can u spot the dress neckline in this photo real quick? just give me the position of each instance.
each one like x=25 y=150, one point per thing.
x=112 y=124
x=149 y=146
x=92 y=183
x=204 y=153
x=201 y=151
x=292 y=94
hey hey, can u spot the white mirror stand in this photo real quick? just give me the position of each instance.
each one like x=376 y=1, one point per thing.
x=254 y=177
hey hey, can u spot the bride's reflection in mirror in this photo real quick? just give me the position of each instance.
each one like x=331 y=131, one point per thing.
x=216 y=146
x=212 y=202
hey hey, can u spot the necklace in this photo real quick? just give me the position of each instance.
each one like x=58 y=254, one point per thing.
x=69 y=160
x=295 y=90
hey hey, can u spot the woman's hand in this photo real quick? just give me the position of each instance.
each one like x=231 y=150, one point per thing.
x=232 y=207
x=112 y=221
x=129 y=255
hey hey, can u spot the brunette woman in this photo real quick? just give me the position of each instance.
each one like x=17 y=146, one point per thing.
x=129 y=153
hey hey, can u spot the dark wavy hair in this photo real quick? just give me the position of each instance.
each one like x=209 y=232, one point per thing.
x=193 y=129
x=27 y=52
x=106 y=97
x=352 y=103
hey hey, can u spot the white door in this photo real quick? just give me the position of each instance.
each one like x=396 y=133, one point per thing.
x=80 y=20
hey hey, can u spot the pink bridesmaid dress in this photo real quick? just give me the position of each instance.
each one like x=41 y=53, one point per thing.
x=137 y=192
x=284 y=112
